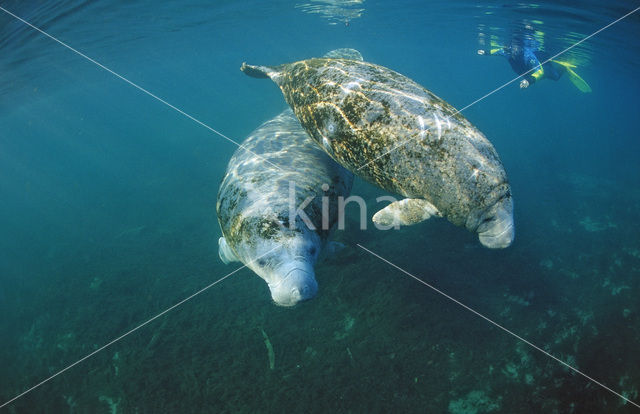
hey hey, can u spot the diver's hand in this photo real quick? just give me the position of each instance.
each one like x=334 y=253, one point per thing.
x=481 y=52
x=524 y=83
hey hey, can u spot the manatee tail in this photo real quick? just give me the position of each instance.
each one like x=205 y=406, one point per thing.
x=261 y=72
x=577 y=81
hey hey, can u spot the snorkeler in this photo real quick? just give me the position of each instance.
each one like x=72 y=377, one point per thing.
x=526 y=58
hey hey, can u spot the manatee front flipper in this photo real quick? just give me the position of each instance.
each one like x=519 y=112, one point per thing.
x=405 y=212
x=224 y=251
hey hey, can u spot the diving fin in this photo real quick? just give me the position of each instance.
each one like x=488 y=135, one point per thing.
x=565 y=64
x=495 y=47
x=577 y=81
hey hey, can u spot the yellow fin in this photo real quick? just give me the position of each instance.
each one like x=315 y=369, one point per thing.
x=577 y=81
x=565 y=64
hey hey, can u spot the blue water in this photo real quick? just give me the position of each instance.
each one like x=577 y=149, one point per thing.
x=108 y=217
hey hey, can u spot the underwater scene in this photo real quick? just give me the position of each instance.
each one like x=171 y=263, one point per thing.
x=463 y=236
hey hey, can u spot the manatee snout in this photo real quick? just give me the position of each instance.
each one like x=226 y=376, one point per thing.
x=298 y=284
x=496 y=230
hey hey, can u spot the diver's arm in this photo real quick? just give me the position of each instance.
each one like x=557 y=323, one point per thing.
x=531 y=78
x=535 y=66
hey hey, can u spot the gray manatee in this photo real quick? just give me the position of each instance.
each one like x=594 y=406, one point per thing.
x=396 y=134
x=260 y=220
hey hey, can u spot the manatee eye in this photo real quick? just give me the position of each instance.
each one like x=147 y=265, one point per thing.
x=262 y=262
x=312 y=250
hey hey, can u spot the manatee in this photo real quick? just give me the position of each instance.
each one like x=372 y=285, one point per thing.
x=268 y=179
x=262 y=225
x=396 y=134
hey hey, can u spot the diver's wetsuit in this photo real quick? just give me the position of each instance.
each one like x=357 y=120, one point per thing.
x=523 y=59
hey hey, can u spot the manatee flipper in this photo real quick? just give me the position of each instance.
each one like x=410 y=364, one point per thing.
x=577 y=81
x=224 y=251
x=406 y=212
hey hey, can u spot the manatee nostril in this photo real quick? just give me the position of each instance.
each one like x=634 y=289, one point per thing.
x=331 y=127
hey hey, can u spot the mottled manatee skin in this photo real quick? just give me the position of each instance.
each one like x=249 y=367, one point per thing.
x=358 y=111
x=253 y=200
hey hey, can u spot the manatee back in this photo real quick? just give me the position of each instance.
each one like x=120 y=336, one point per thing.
x=253 y=200
x=394 y=133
